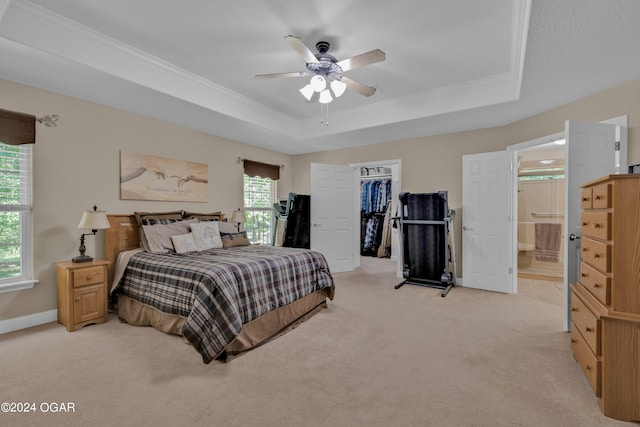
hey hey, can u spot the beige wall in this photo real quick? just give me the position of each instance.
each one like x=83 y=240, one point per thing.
x=76 y=165
x=434 y=163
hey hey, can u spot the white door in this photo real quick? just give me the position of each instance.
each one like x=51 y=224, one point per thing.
x=332 y=214
x=486 y=254
x=590 y=154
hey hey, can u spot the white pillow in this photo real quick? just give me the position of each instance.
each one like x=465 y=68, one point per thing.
x=206 y=235
x=158 y=236
x=184 y=243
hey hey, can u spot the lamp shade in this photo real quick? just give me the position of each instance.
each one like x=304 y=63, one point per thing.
x=338 y=87
x=238 y=217
x=307 y=92
x=94 y=220
x=318 y=83
x=325 y=97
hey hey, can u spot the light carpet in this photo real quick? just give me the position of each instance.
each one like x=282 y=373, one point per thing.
x=376 y=357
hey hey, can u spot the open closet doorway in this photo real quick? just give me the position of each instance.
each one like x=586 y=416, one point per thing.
x=377 y=191
x=539 y=211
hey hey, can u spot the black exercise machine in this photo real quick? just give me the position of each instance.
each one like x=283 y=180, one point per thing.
x=295 y=212
x=427 y=241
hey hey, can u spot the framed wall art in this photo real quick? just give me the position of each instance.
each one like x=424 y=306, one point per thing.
x=145 y=177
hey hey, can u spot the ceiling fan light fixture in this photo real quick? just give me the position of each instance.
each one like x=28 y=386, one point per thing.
x=318 y=83
x=307 y=92
x=338 y=88
x=325 y=97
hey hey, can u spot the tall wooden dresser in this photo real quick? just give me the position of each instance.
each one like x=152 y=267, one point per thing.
x=605 y=304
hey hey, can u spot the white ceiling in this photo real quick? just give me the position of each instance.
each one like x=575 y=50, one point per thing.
x=451 y=65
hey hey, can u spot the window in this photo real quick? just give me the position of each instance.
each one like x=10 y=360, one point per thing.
x=259 y=196
x=540 y=170
x=15 y=217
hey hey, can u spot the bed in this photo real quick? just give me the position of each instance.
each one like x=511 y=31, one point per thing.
x=222 y=301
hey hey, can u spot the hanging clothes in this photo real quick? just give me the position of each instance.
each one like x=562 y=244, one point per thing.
x=375 y=201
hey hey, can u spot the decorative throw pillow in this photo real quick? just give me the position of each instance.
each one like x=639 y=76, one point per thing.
x=206 y=235
x=230 y=240
x=158 y=237
x=184 y=243
x=213 y=216
x=226 y=227
x=153 y=217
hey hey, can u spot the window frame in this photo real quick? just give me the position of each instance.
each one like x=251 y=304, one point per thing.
x=264 y=209
x=25 y=280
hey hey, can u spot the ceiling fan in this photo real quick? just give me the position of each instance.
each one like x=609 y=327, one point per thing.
x=325 y=70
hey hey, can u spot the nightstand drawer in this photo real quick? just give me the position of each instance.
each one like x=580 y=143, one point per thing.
x=596 y=254
x=87 y=276
x=599 y=284
x=586 y=322
x=596 y=224
x=589 y=363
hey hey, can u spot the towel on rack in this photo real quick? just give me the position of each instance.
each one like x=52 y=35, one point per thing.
x=548 y=239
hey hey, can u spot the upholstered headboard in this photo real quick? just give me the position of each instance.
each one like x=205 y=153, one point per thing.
x=124 y=234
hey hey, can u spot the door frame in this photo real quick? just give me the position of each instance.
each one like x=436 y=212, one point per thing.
x=515 y=151
x=621 y=121
x=396 y=174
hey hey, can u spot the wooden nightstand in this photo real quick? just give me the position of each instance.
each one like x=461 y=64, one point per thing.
x=82 y=293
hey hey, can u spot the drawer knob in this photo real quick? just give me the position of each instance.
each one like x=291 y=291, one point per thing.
x=574 y=309
x=595 y=285
x=585 y=249
x=583 y=274
x=77 y=299
x=588 y=329
x=596 y=256
x=90 y=276
x=584 y=199
x=584 y=224
x=588 y=368
x=596 y=225
x=597 y=197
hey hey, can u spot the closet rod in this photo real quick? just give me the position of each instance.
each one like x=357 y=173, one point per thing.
x=375 y=177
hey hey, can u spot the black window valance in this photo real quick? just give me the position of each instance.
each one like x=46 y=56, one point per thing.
x=263 y=170
x=17 y=128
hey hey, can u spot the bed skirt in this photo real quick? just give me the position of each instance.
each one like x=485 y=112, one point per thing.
x=254 y=333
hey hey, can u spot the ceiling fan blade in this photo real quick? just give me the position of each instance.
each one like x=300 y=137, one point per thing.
x=276 y=75
x=302 y=49
x=361 y=60
x=358 y=87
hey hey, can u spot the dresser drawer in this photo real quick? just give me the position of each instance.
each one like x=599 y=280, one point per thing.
x=586 y=198
x=596 y=254
x=596 y=224
x=589 y=363
x=599 y=284
x=601 y=196
x=87 y=276
x=586 y=322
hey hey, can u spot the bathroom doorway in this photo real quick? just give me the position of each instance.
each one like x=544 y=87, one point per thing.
x=540 y=220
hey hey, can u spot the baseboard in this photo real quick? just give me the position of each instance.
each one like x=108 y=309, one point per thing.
x=28 y=321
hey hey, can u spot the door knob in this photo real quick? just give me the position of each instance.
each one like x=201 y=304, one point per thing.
x=573 y=237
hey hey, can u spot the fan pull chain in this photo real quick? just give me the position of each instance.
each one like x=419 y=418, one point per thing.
x=324 y=114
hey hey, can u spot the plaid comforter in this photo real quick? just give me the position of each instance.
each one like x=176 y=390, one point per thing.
x=221 y=289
